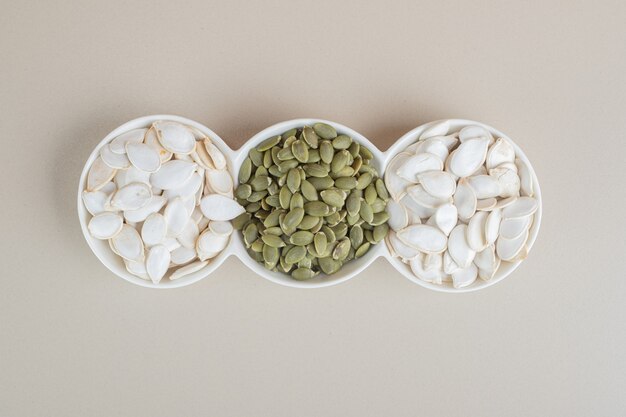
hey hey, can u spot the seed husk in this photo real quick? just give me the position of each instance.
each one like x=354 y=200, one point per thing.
x=245 y=171
x=268 y=143
x=310 y=137
x=301 y=238
x=325 y=131
x=273 y=241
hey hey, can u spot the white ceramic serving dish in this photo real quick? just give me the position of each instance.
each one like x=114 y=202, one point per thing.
x=506 y=268
x=236 y=246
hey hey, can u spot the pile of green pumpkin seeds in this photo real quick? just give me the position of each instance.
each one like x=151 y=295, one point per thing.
x=313 y=202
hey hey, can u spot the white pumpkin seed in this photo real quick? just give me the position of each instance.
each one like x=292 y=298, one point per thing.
x=398 y=217
x=221 y=228
x=475 y=233
x=521 y=207
x=209 y=242
x=465 y=200
x=182 y=255
x=484 y=186
x=132 y=196
x=218 y=207
x=449 y=266
x=220 y=181
x=468 y=157
x=188 y=269
x=175 y=138
x=217 y=157
x=459 y=248
x=416 y=164
x=137 y=268
x=176 y=216
x=513 y=228
x=434 y=146
x=173 y=174
x=189 y=234
x=508 y=180
x=499 y=153
x=425 y=238
x=99 y=175
x=118 y=145
x=486 y=204
x=526 y=180
x=186 y=190
x=428 y=275
x=464 y=277
x=157 y=262
x=152 y=140
x=492 y=226
x=112 y=159
x=508 y=249
x=144 y=157
x=94 y=201
x=105 y=225
x=415 y=209
x=171 y=243
x=155 y=204
x=439 y=184
x=445 y=218
x=438 y=129
x=128 y=244
x=154 y=229
x=400 y=248
x=474 y=132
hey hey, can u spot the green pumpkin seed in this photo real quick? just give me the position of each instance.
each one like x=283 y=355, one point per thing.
x=284 y=266
x=240 y=221
x=243 y=191
x=271 y=254
x=320 y=242
x=256 y=157
x=261 y=172
x=333 y=218
x=381 y=190
x=342 y=142
x=352 y=220
x=356 y=236
x=257 y=196
x=274 y=152
x=273 y=201
x=288 y=134
x=253 y=207
x=325 y=131
x=302 y=274
x=296 y=201
x=260 y=183
x=362 y=250
x=263 y=213
x=339 y=161
x=315 y=170
x=301 y=238
x=293 y=180
x=365 y=153
x=308 y=222
x=310 y=137
x=318 y=226
x=284 y=197
x=379 y=218
x=293 y=218
x=380 y=231
x=329 y=265
x=321 y=183
x=245 y=171
x=369 y=236
x=314 y=156
x=257 y=246
x=356 y=165
x=276 y=231
x=327 y=152
x=285 y=154
x=345 y=183
x=341 y=250
x=250 y=234
x=316 y=208
x=346 y=171
x=273 y=241
x=366 y=168
x=295 y=254
x=272 y=219
x=268 y=143
x=267 y=159
x=305 y=262
x=285 y=166
x=366 y=213
x=340 y=230
x=333 y=197
x=354 y=149
x=363 y=181
x=273 y=188
x=353 y=203
x=300 y=151
x=308 y=191
x=370 y=194
x=378 y=206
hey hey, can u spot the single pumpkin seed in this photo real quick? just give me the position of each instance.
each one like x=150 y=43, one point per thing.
x=362 y=250
x=333 y=197
x=296 y=201
x=302 y=274
x=306 y=262
x=381 y=190
x=276 y=231
x=339 y=161
x=257 y=196
x=352 y=220
x=268 y=143
x=257 y=246
x=243 y=191
x=250 y=234
x=329 y=265
x=271 y=253
x=274 y=152
x=267 y=159
x=290 y=133
x=260 y=183
x=346 y=183
x=253 y=207
x=284 y=197
x=308 y=191
x=261 y=171
x=366 y=213
x=365 y=153
x=273 y=200
x=316 y=208
x=272 y=219
x=378 y=206
x=320 y=242
x=379 y=218
x=321 y=183
x=370 y=194
x=356 y=236
x=315 y=170
x=240 y=221
x=300 y=151
x=273 y=188
x=356 y=165
x=369 y=236
x=285 y=154
x=342 y=142
x=273 y=241
x=308 y=222
x=295 y=254
x=293 y=180
x=327 y=152
x=341 y=250
x=293 y=218
x=310 y=137
x=274 y=170
x=285 y=166
x=380 y=232
x=346 y=171
x=354 y=149
x=363 y=181
x=333 y=218
x=318 y=226
x=314 y=156
x=325 y=131
x=301 y=238
x=256 y=157
x=353 y=203
x=245 y=171
x=340 y=230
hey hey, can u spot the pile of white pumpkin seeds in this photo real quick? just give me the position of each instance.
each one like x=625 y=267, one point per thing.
x=313 y=202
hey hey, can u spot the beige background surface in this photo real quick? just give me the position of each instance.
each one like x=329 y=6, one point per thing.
x=77 y=341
